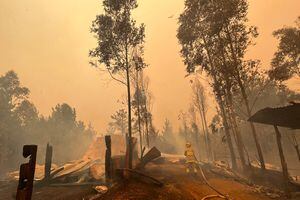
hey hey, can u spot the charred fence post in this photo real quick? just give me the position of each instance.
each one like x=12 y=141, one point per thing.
x=108 y=173
x=48 y=162
x=26 y=174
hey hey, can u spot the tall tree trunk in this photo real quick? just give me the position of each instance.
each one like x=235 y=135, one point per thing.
x=146 y=114
x=239 y=139
x=228 y=137
x=257 y=143
x=245 y=98
x=227 y=133
x=221 y=105
x=204 y=132
x=226 y=126
x=138 y=111
x=208 y=137
x=147 y=125
x=185 y=131
x=197 y=135
x=129 y=119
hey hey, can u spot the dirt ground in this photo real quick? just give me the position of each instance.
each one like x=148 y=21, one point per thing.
x=49 y=193
x=177 y=186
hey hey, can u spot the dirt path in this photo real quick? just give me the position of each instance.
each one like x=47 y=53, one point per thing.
x=179 y=186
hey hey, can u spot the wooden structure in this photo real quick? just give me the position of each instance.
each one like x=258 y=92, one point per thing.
x=288 y=116
x=48 y=162
x=26 y=175
x=152 y=154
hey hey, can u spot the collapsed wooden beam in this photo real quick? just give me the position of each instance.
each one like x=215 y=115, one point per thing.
x=152 y=154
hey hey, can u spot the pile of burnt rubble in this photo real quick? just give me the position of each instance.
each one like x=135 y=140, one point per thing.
x=101 y=174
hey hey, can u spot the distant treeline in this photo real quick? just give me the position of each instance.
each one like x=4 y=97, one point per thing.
x=21 y=123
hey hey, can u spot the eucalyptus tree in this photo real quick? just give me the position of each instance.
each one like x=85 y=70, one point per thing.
x=229 y=23
x=119 y=122
x=142 y=104
x=200 y=102
x=195 y=130
x=286 y=60
x=118 y=36
x=199 y=51
x=216 y=32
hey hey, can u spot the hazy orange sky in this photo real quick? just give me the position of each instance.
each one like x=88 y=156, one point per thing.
x=47 y=43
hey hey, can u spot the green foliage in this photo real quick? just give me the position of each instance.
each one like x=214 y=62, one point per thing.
x=119 y=122
x=140 y=99
x=117 y=35
x=20 y=123
x=118 y=38
x=286 y=60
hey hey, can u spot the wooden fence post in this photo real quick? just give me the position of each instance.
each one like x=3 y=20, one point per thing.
x=26 y=174
x=48 y=162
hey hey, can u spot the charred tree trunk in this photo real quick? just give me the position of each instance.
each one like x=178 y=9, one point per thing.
x=108 y=172
x=146 y=124
x=129 y=146
x=138 y=111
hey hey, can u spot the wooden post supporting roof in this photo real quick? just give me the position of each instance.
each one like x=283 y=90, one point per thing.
x=288 y=116
x=282 y=158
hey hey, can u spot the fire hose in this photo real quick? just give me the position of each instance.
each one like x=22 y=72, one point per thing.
x=219 y=195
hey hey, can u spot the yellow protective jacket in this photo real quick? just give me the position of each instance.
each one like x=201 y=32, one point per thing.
x=190 y=155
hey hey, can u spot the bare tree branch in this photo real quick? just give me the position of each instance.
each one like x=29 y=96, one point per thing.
x=116 y=79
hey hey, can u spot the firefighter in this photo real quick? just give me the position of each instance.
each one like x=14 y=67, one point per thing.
x=191 y=160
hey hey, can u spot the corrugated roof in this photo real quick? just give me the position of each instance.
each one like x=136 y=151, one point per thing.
x=288 y=116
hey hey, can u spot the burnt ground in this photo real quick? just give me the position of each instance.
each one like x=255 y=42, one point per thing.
x=177 y=186
x=46 y=193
